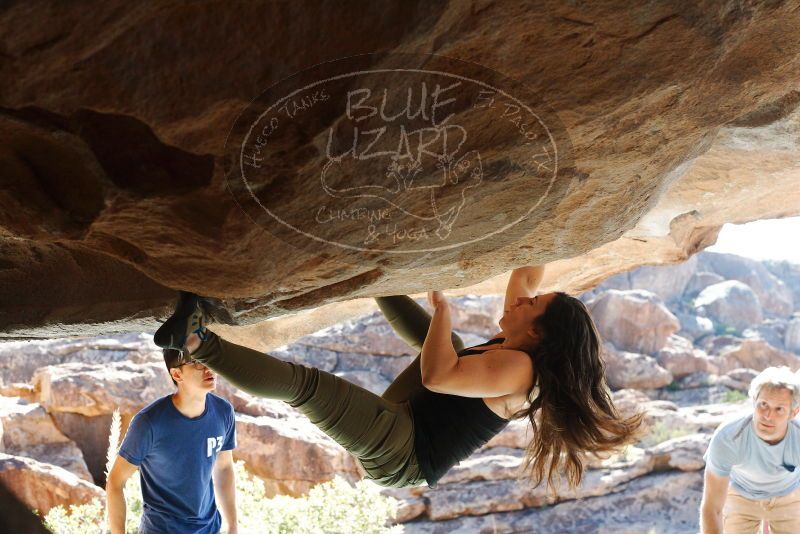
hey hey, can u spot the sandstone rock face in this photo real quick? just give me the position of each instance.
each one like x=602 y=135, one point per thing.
x=684 y=453
x=693 y=326
x=92 y=390
x=738 y=379
x=635 y=321
x=27 y=430
x=90 y=434
x=81 y=398
x=680 y=358
x=772 y=330
x=132 y=148
x=290 y=455
x=633 y=370
x=701 y=280
x=19 y=359
x=669 y=283
x=730 y=304
x=789 y=273
x=42 y=486
x=773 y=295
x=754 y=354
x=478 y=497
x=792 y=338
x=664 y=502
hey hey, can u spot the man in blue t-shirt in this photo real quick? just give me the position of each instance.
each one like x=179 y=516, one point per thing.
x=752 y=472
x=182 y=446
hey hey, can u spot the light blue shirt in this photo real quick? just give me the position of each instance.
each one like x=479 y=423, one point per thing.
x=757 y=470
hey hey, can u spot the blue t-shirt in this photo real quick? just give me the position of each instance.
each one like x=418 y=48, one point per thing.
x=175 y=455
x=757 y=469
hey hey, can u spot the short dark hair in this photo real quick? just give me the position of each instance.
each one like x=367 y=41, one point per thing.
x=172 y=358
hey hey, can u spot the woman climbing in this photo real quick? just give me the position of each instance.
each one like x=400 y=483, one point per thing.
x=543 y=365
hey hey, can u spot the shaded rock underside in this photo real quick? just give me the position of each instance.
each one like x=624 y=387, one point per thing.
x=113 y=124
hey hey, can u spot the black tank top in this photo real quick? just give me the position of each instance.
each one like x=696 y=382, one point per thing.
x=449 y=428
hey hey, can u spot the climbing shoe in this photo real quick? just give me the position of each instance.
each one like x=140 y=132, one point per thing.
x=188 y=318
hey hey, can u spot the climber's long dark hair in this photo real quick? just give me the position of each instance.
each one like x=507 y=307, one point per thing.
x=573 y=413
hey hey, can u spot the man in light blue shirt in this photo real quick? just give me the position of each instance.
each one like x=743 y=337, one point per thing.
x=752 y=462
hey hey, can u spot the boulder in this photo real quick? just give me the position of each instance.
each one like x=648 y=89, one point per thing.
x=633 y=370
x=27 y=430
x=700 y=379
x=663 y=502
x=81 y=398
x=629 y=401
x=680 y=358
x=370 y=334
x=91 y=435
x=710 y=392
x=791 y=339
x=634 y=320
x=20 y=390
x=729 y=304
x=20 y=359
x=368 y=380
x=123 y=138
x=713 y=345
x=667 y=281
x=789 y=273
x=96 y=389
x=496 y=463
x=290 y=455
x=43 y=486
x=410 y=506
x=754 y=354
x=699 y=281
x=684 y=453
x=246 y=404
x=773 y=294
x=482 y=497
x=738 y=379
x=772 y=330
x=694 y=327
x=667 y=420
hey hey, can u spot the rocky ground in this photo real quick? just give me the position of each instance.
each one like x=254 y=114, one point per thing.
x=684 y=351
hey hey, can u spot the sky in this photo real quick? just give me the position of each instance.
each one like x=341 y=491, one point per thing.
x=773 y=239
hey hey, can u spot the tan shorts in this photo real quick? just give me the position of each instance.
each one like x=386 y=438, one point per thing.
x=742 y=515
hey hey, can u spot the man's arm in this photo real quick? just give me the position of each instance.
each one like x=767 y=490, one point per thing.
x=225 y=488
x=121 y=471
x=715 y=490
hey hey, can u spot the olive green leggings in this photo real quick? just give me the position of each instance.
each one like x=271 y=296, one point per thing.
x=377 y=430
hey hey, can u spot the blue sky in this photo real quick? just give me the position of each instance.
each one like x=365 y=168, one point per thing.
x=774 y=239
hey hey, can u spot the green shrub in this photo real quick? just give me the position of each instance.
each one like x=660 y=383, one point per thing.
x=333 y=506
x=734 y=396
x=330 y=507
x=660 y=433
x=726 y=330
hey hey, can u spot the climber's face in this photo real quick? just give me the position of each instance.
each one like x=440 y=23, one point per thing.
x=519 y=318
